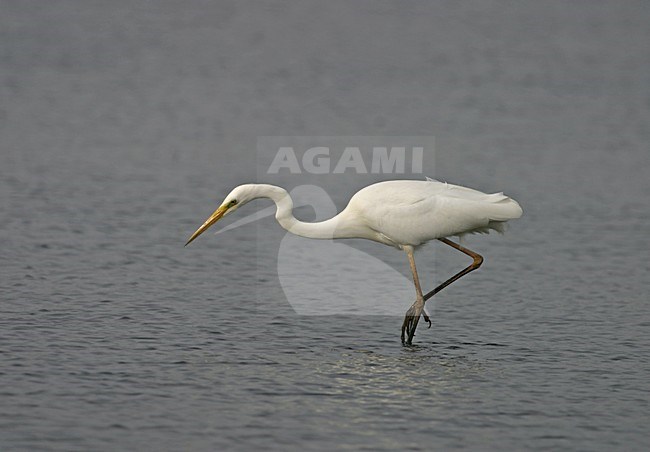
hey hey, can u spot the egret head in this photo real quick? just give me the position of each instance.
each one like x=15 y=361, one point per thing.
x=236 y=198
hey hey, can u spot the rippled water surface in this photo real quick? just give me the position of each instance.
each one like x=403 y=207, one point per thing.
x=123 y=124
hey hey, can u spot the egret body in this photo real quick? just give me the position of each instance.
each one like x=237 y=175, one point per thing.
x=404 y=214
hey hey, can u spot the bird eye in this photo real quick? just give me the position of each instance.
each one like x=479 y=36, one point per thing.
x=232 y=203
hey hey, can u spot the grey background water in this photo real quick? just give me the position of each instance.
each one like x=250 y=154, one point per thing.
x=122 y=124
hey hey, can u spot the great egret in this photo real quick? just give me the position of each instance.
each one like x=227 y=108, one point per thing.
x=404 y=214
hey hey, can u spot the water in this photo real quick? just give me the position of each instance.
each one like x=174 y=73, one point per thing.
x=122 y=124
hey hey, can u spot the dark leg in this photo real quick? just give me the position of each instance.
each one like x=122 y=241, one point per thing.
x=410 y=323
x=478 y=260
x=417 y=309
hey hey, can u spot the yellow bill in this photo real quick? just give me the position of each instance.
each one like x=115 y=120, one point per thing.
x=209 y=222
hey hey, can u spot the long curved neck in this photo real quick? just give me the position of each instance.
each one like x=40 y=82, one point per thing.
x=328 y=229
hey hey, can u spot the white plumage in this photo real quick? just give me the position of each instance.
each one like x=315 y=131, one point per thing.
x=400 y=213
x=408 y=212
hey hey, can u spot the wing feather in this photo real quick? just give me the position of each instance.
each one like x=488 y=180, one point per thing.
x=414 y=212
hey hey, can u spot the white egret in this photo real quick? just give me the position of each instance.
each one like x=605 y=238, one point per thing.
x=404 y=214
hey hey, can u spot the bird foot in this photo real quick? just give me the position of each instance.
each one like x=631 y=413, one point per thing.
x=425 y=316
x=411 y=320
